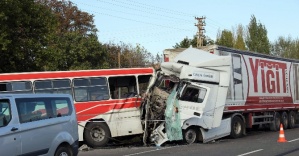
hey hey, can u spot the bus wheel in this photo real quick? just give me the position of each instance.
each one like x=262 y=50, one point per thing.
x=237 y=127
x=274 y=126
x=96 y=134
x=292 y=119
x=284 y=120
x=190 y=136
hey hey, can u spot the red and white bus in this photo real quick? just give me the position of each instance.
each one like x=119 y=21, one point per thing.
x=107 y=101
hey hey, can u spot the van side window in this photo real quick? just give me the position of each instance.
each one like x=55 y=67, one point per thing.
x=5 y=114
x=35 y=109
x=61 y=108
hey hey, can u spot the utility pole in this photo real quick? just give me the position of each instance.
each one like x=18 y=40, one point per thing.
x=201 y=30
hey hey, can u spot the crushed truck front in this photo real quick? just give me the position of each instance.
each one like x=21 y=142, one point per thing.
x=169 y=113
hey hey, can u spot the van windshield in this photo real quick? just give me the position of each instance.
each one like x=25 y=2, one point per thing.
x=5 y=114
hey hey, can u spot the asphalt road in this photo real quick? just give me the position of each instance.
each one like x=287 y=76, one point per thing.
x=255 y=143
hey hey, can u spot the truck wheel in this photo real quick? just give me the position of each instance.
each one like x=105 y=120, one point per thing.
x=284 y=120
x=63 y=151
x=292 y=119
x=190 y=136
x=96 y=134
x=274 y=126
x=237 y=127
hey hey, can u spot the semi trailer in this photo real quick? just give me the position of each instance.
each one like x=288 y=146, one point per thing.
x=209 y=93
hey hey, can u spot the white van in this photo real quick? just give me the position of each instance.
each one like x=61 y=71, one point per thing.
x=38 y=124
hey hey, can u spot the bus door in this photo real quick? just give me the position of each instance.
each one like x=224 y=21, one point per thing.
x=123 y=89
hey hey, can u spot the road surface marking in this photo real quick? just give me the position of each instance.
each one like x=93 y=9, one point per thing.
x=149 y=151
x=250 y=152
x=293 y=140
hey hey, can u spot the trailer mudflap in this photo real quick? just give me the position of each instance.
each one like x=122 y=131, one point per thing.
x=215 y=133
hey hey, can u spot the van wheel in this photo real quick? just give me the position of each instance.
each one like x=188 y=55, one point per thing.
x=96 y=134
x=63 y=151
x=284 y=120
x=190 y=136
x=292 y=119
x=274 y=126
x=237 y=127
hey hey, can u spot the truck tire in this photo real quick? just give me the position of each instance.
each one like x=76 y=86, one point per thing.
x=274 y=126
x=284 y=120
x=96 y=134
x=237 y=127
x=292 y=119
x=190 y=136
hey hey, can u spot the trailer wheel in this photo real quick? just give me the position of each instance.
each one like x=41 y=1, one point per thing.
x=274 y=126
x=190 y=136
x=284 y=120
x=237 y=127
x=96 y=134
x=292 y=119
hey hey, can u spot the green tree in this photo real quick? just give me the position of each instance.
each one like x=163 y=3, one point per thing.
x=186 y=43
x=74 y=44
x=286 y=47
x=225 y=39
x=257 y=39
x=24 y=33
x=130 y=56
x=239 y=38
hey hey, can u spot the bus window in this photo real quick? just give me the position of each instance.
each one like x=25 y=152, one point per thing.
x=143 y=81
x=62 y=86
x=122 y=87
x=91 y=89
x=43 y=86
x=16 y=87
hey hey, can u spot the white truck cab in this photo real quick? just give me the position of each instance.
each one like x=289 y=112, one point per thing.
x=199 y=98
x=38 y=124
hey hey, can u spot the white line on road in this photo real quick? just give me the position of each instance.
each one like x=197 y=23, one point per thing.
x=293 y=140
x=250 y=152
x=149 y=151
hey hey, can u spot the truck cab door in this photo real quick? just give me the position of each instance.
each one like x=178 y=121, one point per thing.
x=192 y=102
x=202 y=108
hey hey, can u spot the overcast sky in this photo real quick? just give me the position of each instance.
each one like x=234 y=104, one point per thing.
x=159 y=24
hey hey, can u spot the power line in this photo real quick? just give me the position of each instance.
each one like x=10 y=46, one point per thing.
x=142 y=10
x=217 y=23
x=208 y=25
x=166 y=18
x=146 y=35
x=162 y=9
x=158 y=25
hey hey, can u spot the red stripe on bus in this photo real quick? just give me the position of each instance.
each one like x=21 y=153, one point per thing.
x=70 y=74
x=86 y=111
